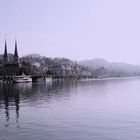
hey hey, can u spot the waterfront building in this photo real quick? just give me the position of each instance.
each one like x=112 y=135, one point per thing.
x=10 y=66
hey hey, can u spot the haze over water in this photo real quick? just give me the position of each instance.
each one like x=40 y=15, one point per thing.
x=75 y=29
x=71 y=110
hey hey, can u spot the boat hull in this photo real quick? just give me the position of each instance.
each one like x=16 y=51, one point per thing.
x=22 y=79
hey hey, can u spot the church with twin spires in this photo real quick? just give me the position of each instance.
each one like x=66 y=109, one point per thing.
x=10 y=65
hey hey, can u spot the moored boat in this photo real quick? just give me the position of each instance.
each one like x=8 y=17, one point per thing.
x=22 y=79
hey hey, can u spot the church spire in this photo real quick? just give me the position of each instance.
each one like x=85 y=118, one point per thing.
x=16 y=52
x=5 y=56
x=16 y=59
x=5 y=50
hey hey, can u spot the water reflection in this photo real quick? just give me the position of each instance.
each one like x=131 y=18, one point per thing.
x=15 y=96
x=9 y=99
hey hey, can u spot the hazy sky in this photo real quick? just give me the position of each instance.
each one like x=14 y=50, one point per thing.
x=76 y=29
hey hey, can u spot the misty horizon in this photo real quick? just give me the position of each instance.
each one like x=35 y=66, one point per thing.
x=90 y=59
x=77 y=30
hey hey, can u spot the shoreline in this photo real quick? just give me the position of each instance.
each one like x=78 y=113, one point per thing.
x=110 y=78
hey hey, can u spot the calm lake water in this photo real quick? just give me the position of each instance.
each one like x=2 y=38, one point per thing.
x=71 y=110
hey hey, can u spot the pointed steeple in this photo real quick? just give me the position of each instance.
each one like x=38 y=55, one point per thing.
x=5 y=55
x=16 y=59
x=5 y=50
x=16 y=52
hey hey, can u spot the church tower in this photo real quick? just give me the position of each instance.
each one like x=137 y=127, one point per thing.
x=5 y=56
x=16 y=58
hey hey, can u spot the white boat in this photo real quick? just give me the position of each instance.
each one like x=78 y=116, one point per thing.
x=22 y=79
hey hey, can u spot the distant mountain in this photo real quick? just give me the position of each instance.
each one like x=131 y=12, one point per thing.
x=33 y=55
x=111 y=67
x=95 y=63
